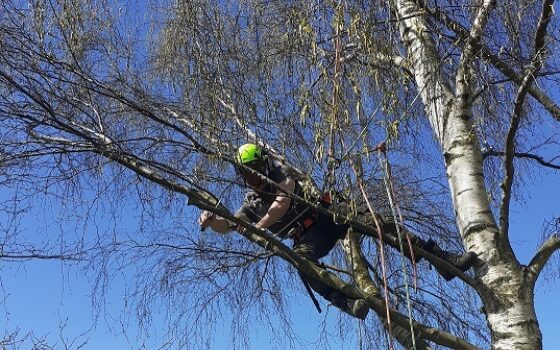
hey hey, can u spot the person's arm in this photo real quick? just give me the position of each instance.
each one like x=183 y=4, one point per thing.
x=216 y=223
x=280 y=206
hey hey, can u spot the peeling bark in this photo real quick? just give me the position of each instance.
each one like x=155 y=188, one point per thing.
x=510 y=311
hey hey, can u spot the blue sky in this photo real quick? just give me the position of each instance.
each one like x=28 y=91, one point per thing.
x=54 y=300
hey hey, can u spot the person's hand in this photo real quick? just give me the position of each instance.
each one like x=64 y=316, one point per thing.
x=205 y=219
x=242 y=229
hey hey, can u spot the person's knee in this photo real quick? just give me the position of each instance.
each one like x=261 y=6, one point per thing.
x=306 y=252
x=340 y=231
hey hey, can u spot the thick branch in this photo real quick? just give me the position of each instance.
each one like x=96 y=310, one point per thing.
x=464 y=78
x=426 y=64
x=19 y=257
x=531 y=71
x=543 y=256
x=364 y=281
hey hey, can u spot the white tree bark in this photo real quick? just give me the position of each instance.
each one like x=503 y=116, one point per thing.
x=433 y=87
x=505 y=287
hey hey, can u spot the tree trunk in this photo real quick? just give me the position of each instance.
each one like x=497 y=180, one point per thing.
x=426 y=65
x=510 y=309
x=505 y=289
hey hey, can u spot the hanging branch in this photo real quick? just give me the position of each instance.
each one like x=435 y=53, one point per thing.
x=397 y=217
x=358 y=170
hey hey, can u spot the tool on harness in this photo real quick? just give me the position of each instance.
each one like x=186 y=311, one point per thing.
x=308 y=222
x=325 y=200
x=297 y=234
x=305 y=222
x=311 y=294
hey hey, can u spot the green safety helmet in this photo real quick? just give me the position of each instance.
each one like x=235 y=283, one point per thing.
x=248 y=153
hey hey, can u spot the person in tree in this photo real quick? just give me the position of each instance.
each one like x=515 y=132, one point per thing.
x=269 y=205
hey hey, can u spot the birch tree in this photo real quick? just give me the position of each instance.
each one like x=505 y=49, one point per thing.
x=430 y=113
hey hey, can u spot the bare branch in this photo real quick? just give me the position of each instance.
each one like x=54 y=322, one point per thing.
x=531 y=71
x=38 y=256
x=492 y=152
x=543 y=255
x=364 y=281
x=383 y=61
x=486 y=54
x=463 y=79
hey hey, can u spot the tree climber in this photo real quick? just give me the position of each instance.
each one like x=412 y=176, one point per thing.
x=315 y=234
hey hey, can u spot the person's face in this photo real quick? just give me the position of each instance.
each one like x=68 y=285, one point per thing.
x=252 y=178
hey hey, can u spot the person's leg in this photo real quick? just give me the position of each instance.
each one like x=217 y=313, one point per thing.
x=462 y=262
x=316 y=243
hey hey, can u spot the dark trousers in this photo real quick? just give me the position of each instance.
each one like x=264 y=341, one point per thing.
x=317 y=242
x=321 y=238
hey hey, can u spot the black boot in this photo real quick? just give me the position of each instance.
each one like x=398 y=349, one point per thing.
x=353 y=307
x=462 y=262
